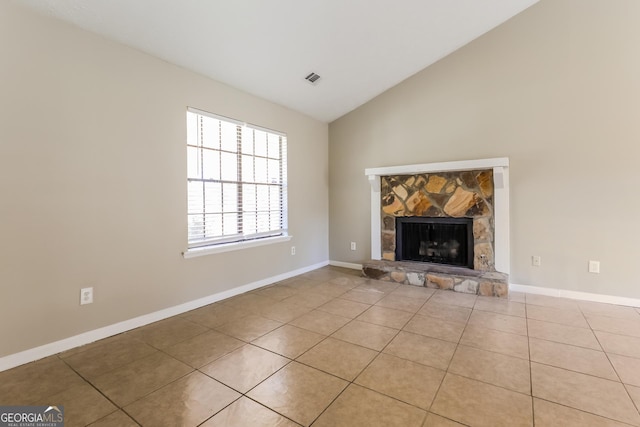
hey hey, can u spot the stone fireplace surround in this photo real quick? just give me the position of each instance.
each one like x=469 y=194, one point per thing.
x=485 y=185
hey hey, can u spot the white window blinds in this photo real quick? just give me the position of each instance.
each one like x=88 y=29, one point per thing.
x=236 y=180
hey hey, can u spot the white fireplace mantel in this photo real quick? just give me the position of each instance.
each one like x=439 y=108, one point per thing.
x=500 y=168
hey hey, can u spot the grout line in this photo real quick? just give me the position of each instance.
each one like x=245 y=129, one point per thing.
x=121 y=408
x=245 y=394
x=636 y=405
x=586 y=412
x=352 y=382
x=287 y=364
x=533 y=407
x=446 y=371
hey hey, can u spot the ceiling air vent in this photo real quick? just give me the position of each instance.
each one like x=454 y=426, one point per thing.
x=312 y=78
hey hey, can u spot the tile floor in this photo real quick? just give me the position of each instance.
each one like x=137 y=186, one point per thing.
x=329 y=348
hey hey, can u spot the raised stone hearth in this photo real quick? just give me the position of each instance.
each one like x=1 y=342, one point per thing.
x=458 y=279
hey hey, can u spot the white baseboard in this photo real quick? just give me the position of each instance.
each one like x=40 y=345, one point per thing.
x=584 y=296
x=346 y=265
x=37 y=353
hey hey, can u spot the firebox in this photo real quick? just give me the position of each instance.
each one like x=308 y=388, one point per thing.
x=435 y=240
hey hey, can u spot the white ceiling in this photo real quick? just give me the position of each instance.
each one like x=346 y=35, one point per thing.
x=360 y=48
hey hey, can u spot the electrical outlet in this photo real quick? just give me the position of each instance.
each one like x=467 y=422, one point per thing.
x=536 y=261
x=353 y=246
x=293 y=250
x=86 y=296
x=594 y=266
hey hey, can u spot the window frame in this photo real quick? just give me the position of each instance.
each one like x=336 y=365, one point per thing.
x=245 y=235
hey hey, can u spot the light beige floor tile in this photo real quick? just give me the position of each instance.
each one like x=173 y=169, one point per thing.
x=434 y=420
x=421 y=349
x=435 y=328
x=329 y=289
x=344 y=308
x=402 y=379
x=628 y=368
x=378 y=285
x=188 y=401
x=499 y=322
x=320 y=322
x=137 y=379
x=613 y=325
x=398 y=302
x=348 y=282
x=579 y=359
x=299 y=283
x=553 y=302
x=554 y=315
x=245 y=367
x=368 y=335
x=493 y=368
x=517 y=297
x=497 y=341
x=284 y=311
x=277 y=292
x=250 y=302
x=82 y=405
x=449 y=313
x=215 y=315
x=500 y=306
x=109 y=340
x=417 y=292
x=289 y=341
x=359 y=407
x=634 y=392
x=454 y=298
x=591 y=394
x=347 y=272
x=610 y=310
x=563 y=334
x=102 y=359
x=386 y=317
x=249 y=328
x=548 y=414
x=619 y=344
x=167 y=332
x=245 y=412
x=322 y=274
x=308 y=299
x=363 y=296
x=298 y=392
x=115 y=419
x=124 y=369
x=204 y=348
x=475 y=403
x=346 y=285
x=36 y=380
x=339 y=358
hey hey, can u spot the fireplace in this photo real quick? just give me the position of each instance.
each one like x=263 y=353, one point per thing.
x=451 y=199
x=475 y=192
x=446 y=241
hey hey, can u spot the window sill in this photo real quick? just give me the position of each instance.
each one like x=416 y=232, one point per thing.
x=235 y=246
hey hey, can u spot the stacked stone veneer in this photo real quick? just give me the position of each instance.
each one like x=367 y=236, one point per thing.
x=463 y=194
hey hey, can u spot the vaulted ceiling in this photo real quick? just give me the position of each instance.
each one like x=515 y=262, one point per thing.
x=360 y=48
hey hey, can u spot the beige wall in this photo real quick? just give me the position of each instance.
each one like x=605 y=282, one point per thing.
x=557 y=90
x=93 y=183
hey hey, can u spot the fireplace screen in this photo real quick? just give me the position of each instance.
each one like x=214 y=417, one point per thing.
x=436 y=240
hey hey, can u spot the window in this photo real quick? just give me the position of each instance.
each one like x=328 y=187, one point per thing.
x=236 y=180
